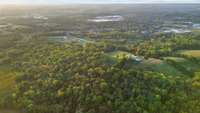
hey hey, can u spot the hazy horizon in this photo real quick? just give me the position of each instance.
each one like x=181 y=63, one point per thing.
x=30 y=2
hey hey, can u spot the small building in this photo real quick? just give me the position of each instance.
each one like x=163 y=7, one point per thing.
x=135 y=58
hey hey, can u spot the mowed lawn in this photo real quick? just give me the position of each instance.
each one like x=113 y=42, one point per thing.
x=190 y=53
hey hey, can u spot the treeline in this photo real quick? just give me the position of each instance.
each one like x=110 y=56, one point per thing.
x=166 y=45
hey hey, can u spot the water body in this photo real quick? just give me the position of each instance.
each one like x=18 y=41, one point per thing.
x=113 y=18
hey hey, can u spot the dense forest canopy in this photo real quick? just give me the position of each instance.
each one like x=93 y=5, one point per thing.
x=55 y=63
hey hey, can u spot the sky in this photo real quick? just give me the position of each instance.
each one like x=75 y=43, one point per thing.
x=93 y=1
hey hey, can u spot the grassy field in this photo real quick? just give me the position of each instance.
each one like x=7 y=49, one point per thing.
x=190 y=53
x=176 y=59
x=118 y=54
x=114 y=57
x=153 y=64
x=184 y=64
x=159 y=66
